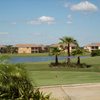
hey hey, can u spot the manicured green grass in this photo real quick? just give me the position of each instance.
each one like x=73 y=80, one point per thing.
x=44 y=66
x=90 y=60
x=63 y=77
x=26 y=55
x=42 y=74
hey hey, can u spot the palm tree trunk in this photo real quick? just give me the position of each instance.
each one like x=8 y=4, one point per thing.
x=68 y=50
x=56 y=59
x=68 y=59
x=78 y=60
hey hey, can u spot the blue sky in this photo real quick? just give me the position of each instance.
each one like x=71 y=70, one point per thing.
x=45 y=21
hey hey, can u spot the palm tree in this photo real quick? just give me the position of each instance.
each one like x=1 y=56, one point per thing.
x=78 y=52
x=68 y=41
x=55 y=51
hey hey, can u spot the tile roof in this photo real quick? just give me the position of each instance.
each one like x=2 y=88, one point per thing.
x=27 y=45
x=93 y=44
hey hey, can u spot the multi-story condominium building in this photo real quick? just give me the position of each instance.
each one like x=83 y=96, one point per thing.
x=92 y=46
x=30 y=48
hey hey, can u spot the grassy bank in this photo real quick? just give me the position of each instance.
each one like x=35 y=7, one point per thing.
x=34 y=54
x=44 y=66
x=42 y=74
x=25 y=55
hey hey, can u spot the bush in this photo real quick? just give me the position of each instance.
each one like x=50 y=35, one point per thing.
x=71 y=65
x=15 y=85
x=95 y=53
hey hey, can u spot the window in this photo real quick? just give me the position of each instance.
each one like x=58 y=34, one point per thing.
x=94 y=47
x=73 y=47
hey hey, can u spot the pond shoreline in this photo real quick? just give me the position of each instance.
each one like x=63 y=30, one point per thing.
x=20 y=59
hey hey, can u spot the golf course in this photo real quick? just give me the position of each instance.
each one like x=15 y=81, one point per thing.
x=41 y=74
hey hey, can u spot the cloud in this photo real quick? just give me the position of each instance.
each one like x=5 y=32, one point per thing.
x=43 y=20
x=46 y=19
x=69 y=19
x=34 y=22
x=84 y=6
x=4 y=33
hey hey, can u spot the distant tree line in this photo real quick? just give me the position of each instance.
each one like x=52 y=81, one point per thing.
x=8 y=49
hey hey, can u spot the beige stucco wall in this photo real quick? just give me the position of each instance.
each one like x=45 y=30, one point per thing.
x=70 y=49
x=88 y=48
x=24 y=50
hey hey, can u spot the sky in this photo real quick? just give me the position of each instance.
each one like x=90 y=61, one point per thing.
x=45 y=21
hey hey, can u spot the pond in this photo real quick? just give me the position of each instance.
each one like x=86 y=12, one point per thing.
x=33 y=59
x=37 y=59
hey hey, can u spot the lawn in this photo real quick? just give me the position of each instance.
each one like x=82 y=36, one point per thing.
x=41 y=74
x=63 y=77
x=25 y=55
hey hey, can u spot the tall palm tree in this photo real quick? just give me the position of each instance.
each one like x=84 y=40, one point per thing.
x=68 y=41
x=55 y=51
x=78 y=52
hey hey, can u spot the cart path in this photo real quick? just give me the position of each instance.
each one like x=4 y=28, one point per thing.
x=89 y=91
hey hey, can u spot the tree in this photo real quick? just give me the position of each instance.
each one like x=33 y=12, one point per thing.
x=3 y=50
x=78 y=52
x=68 y=41
x=9 y=49
x=55 y=51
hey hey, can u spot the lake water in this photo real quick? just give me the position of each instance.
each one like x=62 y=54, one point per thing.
x=33 y=59
x=37 y=59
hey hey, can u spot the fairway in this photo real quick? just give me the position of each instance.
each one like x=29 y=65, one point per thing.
x=63 y=77
x=41 y=74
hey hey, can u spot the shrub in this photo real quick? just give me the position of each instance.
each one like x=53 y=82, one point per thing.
x=71 y=65
x=15 y=85
x=95 y=53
